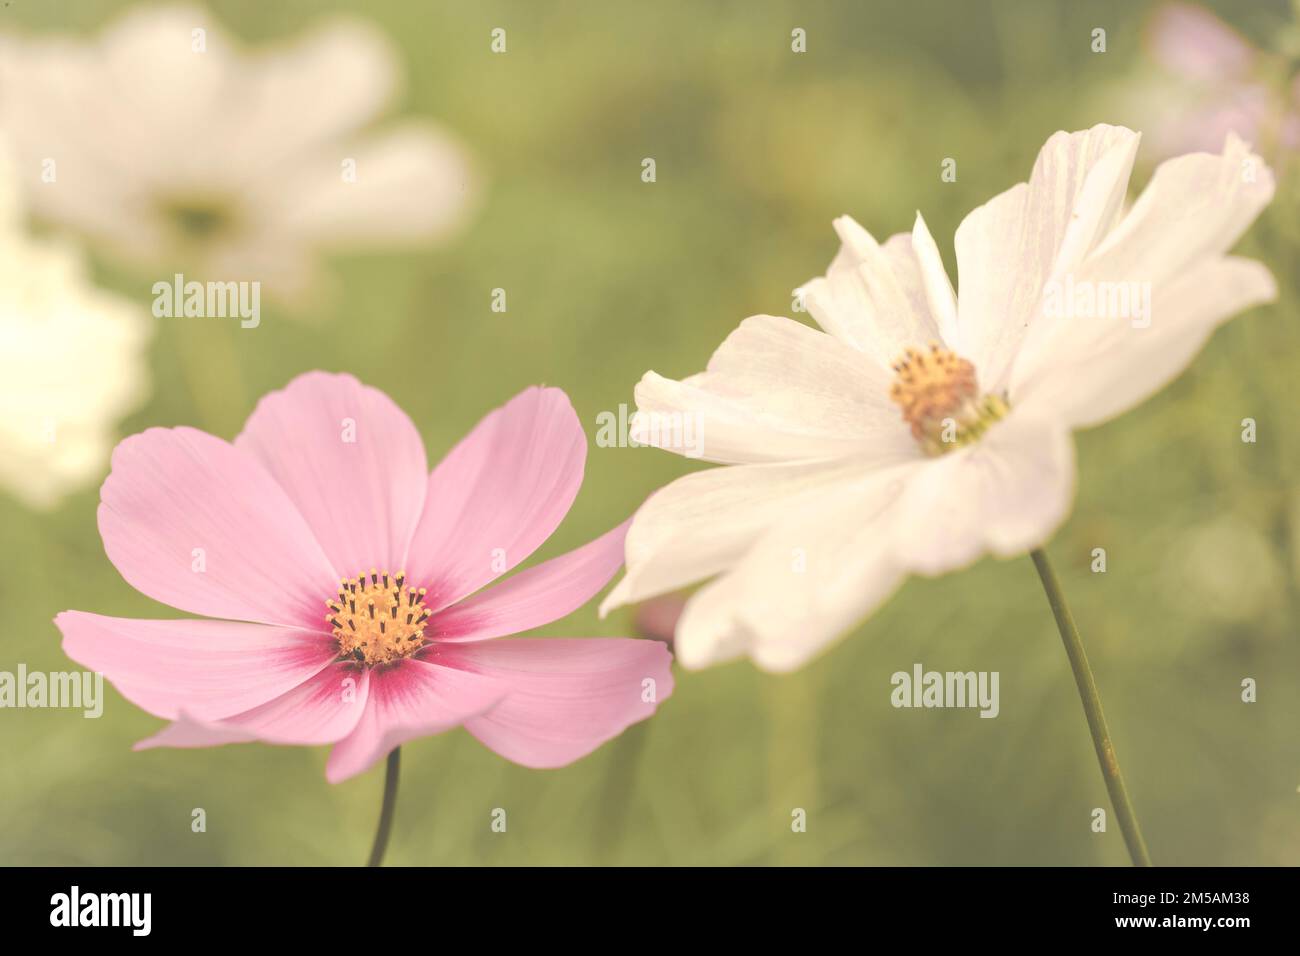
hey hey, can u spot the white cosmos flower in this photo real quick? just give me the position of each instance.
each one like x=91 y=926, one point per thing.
x=174 y=147
x=854 y=464
x=72 y=362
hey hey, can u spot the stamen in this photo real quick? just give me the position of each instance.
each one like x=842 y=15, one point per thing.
x=366 y=639
x=939 y=396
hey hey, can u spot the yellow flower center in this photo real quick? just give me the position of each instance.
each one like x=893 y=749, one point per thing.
x=377 y=620
x=939 y=397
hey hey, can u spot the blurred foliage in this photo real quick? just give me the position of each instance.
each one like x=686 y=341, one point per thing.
x=757 y=150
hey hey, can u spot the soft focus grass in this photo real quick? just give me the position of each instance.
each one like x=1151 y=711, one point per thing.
x=757 y=149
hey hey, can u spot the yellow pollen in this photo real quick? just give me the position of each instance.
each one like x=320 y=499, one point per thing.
x=938 y=393
x=377 y=619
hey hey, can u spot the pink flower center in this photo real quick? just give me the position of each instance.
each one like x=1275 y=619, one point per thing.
x=379 y=620
x=939 y=396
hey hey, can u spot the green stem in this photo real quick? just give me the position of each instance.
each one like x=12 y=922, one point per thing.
x=1110 y=771
x=391 y=773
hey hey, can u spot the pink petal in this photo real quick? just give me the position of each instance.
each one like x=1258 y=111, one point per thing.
x=411 y=699
x=657 y=618
x=321 y=710
x=540 y=595
x=568 y=696
x=198 y=524
x=209 y=669
x=498 y=495
x=350 y=460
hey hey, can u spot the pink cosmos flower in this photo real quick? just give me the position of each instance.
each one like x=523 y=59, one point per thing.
x=350 y=583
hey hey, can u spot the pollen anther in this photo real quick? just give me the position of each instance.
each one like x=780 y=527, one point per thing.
x=938 y=393
x=366 y=638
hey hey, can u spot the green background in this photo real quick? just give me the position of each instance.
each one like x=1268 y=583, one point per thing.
x=757 y=149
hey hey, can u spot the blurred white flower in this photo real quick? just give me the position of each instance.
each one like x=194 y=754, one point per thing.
x=71 y=362
x=174 y=147
x=1071 y=312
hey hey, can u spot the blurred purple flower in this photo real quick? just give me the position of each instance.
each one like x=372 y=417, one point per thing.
x=1225 y=85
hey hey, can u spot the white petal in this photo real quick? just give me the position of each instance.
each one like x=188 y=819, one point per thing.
x=156 y=88
x=12 y=210
x=1097 y=205
x=870 y=297
x=48 y=89
x=1003 y=495
x=1194 y=210
x=1106 y=366
x=1195 y=206
x=827 y=559
x=704 y=523
x=316 y=88
x=72 y=362
x=287 y=268
x=775 y=390
x=818 y=571
x=412 y=182
x=939 y=297
x=1008 y=248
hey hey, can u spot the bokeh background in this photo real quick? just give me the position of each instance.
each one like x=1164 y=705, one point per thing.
x=757 y=149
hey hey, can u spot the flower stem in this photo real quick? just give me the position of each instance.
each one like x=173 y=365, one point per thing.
x=391 y=773
x=1110 y=771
